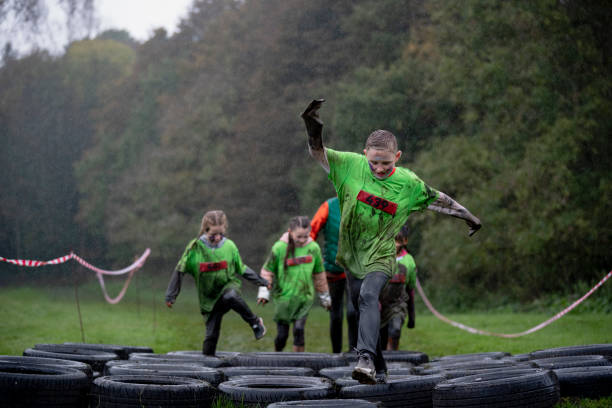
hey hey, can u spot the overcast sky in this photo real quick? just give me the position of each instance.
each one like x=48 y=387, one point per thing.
x=139 y=17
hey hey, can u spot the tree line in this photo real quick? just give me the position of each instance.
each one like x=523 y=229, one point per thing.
x=115 y=146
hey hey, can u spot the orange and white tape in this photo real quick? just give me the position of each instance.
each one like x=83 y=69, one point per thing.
x=512 y=335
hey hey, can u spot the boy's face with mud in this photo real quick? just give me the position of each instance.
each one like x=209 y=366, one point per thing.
x=381 y=161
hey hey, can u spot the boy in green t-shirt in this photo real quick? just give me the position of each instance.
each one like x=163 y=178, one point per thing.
x=375 y=200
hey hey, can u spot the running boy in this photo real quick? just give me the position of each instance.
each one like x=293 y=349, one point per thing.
x=294 y=262
x=214 y=262
x=375 y=200
x=327 y=221
x=397 y=298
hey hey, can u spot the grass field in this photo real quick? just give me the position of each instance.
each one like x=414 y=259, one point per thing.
x=50 y=315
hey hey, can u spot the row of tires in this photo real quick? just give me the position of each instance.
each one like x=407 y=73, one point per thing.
x=189 y=379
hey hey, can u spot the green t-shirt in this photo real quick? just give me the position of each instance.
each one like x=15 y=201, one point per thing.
x=373 y=211
x=293 y=290
x=394 y=296
x=407 y=261
x=214 y=270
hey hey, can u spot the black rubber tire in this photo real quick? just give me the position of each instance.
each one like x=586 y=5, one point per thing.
x=348 y=381
x=417 y=390
x=84 y=367
x=334 y=403
x=456 y=373
x=219 y=354
x=121 y=350
x=96 y=359
x=316 y=361
x=265 y=389
x=210 y=375
x=515 y=388
x=26 y=385
x=442 y=366
x=230 y=372
x=338 y=372
x=585 y=382
x=133 y=391
x=552 y=363
x=394 y=356
x=209 y=361
x=590 y=349
x=494 y=355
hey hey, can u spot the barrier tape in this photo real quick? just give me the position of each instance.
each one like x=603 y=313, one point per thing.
x=512 y=335
x=99 y=272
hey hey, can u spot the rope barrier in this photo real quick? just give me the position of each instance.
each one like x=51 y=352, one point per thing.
x=512 y=335
x=99 y=272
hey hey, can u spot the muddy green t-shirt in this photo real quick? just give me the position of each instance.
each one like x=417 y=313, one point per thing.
x=293 y=290
x=373 y=211
x=214 y=270
x=407 y=261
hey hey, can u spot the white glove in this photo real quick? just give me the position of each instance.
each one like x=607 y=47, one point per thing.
x=325 y=300
x=263 y=293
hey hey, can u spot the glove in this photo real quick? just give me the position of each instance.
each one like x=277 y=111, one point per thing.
x=325 y=300
x=263 y=295
x=314 y=125
x=410 y=324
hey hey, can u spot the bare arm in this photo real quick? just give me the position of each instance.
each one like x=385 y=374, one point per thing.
x=314 y=128
x=446 y=205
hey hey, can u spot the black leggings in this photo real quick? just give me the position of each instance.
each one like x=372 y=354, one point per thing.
x=364 y=294
x=283 y=333
x=230 y=300
x=336 y=291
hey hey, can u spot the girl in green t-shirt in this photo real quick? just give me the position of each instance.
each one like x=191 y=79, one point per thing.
x=397 y=298
x=294 y=269
x=214 y=263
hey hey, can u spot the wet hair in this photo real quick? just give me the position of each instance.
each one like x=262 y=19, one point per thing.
x=402 y=235
x=215 y=217
x=301 y=221
x=382 y=140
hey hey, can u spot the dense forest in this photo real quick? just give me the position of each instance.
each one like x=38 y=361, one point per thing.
x=115 y=146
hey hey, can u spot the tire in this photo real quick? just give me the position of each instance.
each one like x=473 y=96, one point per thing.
x=394 y=356
x=219 y=354
x=417 y=390
x=449 y=365
x=349 y=382
x=208 y=361
x=122 y=351
x=96 y=359
x=133 y=391
x=552 y=363
x=494 y=355
x=230 y=372
x=25 y=385
x=591 y=349
x=259 y=390
x=517 y=388
x=335 y=403
x=457 y=373
x=54 y=362
x=338 y=372
x=316 y=361
x=585 y=382
x=210 y=375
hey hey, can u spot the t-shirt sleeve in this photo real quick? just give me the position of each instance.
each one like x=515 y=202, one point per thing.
x=319 y=220
x=240 y=266
x=339 y=165
x=183 y=262
x=318 y=266
x=423 y=195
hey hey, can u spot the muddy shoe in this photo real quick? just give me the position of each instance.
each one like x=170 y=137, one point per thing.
x=259 y=330
x=364 y=371
x=381 y=377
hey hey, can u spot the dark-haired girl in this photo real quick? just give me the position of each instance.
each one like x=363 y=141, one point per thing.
x=295 y=270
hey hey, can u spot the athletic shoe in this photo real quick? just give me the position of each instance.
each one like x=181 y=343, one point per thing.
x=259 y=330
x=382 y=377
x=364 y=371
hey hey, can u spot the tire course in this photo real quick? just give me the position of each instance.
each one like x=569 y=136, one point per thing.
x=210 y=375
x=147 y=391
x=96 y=359
x=316 y=361
x=532 y=387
